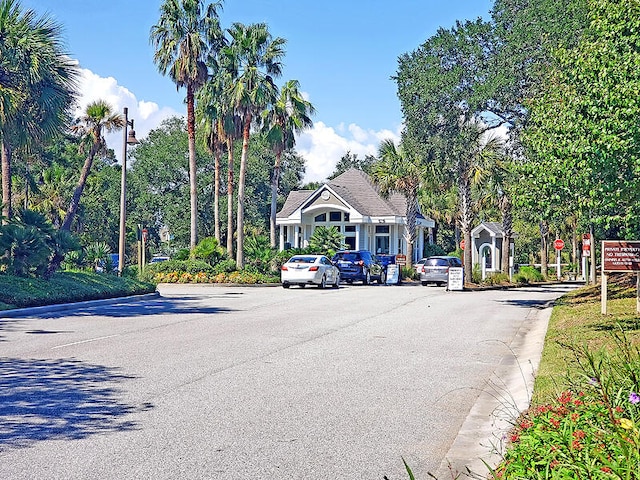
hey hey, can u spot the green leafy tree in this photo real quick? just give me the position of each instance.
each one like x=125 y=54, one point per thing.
x=289 y=114
x=584 y=131
x=37 y=82
x=352 y=160
x=185 y=35
x=253 y=58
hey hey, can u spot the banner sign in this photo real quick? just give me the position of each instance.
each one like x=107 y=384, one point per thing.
x=620 y=256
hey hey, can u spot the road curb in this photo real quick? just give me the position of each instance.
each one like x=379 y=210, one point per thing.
x=482 y=436
x=60 y=307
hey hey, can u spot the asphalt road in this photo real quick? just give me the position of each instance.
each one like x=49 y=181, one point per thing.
x=254 y=383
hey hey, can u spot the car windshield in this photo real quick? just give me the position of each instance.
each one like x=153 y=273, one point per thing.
x=437 y=262
x=348 y=257
x=302 y=260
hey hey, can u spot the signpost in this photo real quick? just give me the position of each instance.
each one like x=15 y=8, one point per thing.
x=619 y=256
x=558 y=245
x=586 y=253
x=462 y=244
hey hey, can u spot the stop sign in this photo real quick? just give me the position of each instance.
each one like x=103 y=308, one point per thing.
x=462 y=244
x=558 y=244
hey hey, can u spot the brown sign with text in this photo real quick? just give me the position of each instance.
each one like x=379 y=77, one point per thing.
x=620 y=256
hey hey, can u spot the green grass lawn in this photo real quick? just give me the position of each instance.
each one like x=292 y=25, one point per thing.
x=577 y=322
x=63 y=287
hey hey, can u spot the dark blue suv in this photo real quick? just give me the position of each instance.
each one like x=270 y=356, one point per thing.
x=359 y=265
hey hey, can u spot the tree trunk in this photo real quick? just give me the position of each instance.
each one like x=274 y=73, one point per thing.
x=507 y=233
x=544 y=248
x=241 y=182
x=466 y=219
x=193 y=184
x=275 y=180
x=230 y=198
x=412 y=214
x=84 y=174
x=6 y=182
x=216 y=194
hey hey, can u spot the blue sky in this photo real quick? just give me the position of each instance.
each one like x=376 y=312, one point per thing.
x=342 y=52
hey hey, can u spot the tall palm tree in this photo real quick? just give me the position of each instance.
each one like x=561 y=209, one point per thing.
x=397 y=172
x=474 y=150
x=253 y=58
x=37 y=84
x=185 y=35
x=208 y=116
x=222 y=126
x=288 y=115
x=97 y=119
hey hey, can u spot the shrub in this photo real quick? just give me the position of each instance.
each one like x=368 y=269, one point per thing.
x=498 y=278
x=209 y=251
x=326 y=241
x=527 y=274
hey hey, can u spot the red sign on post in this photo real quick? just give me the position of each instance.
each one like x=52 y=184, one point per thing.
x=558 y=244
x=461 y=244
x=586 y=243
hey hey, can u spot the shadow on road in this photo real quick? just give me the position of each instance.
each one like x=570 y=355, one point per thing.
x=537 y=304
x=59 y=399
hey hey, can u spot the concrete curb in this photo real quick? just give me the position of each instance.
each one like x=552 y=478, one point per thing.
x=24 y=312
x=481 y=439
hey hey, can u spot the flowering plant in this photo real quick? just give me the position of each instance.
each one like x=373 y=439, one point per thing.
x=591 y=430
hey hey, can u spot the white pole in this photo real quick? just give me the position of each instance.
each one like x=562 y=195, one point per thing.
x=558 y=265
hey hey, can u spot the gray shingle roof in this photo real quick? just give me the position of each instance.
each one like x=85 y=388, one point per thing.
x=359 y=191
x=356 y=188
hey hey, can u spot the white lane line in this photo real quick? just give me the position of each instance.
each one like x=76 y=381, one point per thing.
x=84 y=341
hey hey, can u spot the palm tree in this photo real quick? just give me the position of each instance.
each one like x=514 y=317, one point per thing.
x=398 y=172
x=289 y=114
x=98 y=117
x=222 y=126
x=185 y=35
x=254 y=59
x=37 y=81
x=474 y=150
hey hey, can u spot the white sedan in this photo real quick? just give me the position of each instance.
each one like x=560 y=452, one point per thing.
x=309 y=270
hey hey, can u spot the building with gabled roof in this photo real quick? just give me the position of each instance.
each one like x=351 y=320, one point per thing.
x=352 y=203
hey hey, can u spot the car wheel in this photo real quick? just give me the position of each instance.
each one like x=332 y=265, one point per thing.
x=367 y=278
x=424 y=284
x=336 y=284
x=323 y=282
x=302 y=285
x=383 y=277
x=439 y=284
x=285 y=285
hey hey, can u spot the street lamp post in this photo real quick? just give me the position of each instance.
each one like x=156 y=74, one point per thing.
x=127 y=139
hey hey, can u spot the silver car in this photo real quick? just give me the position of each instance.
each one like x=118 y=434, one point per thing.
x=436 y=269
x=306 y=270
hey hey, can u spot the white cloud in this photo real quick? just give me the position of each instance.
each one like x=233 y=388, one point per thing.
x=146 y=115
x=323 y=146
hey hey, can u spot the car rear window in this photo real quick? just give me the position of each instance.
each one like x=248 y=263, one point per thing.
x=437 y=262
x=302 y=260
x=348 y=257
